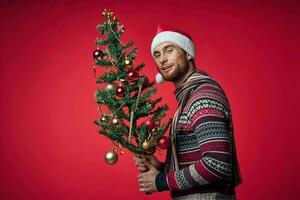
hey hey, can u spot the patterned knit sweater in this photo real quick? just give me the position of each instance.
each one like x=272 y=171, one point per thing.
x=204 y=146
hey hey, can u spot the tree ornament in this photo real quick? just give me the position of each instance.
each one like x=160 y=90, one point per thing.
x=115 y=121
x=146 y=145
x=111 y=87
x=120 y=91
x=125 y=109
x=150 y=124
x=108 y=14
x=145 y=82
x=104 y=119
x=132 y=74
x=111 y=157
x=98 y=54
x=163 y=142
x=127 y=62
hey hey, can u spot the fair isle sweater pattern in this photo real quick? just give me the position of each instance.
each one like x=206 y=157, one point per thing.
x=204 y=142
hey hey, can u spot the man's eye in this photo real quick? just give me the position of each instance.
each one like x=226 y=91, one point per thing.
x=170 y=50
x=157 y=55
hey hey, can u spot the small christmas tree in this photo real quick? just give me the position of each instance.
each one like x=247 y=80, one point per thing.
x=128 y=115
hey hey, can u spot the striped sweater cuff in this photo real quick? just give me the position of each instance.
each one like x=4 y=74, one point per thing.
x=161 y=182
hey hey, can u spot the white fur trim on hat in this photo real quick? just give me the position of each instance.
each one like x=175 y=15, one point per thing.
x=168 y=36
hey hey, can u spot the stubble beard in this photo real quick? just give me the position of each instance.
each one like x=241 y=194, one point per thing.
x=171 y=76
x=175 y=74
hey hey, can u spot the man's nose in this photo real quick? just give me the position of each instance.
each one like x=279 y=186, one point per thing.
x=163 y=59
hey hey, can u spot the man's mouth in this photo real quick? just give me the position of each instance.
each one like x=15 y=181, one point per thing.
x=166 y=68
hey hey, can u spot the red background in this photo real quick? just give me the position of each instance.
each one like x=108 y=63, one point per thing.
x=50 y=148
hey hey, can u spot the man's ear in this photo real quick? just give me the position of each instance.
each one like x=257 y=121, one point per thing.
x=189 y=56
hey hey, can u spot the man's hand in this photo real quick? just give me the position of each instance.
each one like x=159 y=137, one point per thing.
x=147 y=179
x=149 y=167
x=142 y=162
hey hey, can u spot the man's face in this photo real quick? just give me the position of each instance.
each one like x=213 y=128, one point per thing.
x=171 y=60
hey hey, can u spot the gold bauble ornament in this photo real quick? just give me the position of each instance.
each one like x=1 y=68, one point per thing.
x=111 y=157
x=111 y=87
x=146 y=145
x=104 y=119
x=127 y=62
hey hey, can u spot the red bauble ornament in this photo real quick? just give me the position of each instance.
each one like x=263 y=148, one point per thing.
x=125 y=109
x=150 y=123
x=145 y=82
x=98 y=54
x=115 y=121
x=163 y=142
x=120 y=91
x=132 y=74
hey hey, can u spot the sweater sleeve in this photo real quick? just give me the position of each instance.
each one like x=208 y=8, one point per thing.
x=211 y=159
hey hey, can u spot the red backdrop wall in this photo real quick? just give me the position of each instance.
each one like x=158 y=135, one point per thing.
x=50 y=148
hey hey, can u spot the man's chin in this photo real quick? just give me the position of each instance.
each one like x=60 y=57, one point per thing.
x=168 y=78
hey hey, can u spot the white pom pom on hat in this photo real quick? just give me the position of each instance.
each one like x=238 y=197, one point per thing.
x=159 y=78
x=169 y=34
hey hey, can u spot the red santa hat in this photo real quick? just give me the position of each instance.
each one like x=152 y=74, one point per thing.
x=169 y=34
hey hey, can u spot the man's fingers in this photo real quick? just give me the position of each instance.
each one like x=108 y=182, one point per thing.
x=140 y=176
x=143 y=169
x=149 y=165
x=137 y=159
x=144 y=185
x=146 y=163
x=145 y=188
x=143 y=164
x=140 y=164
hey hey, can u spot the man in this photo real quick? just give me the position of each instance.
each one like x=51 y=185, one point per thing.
x=201 y=160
